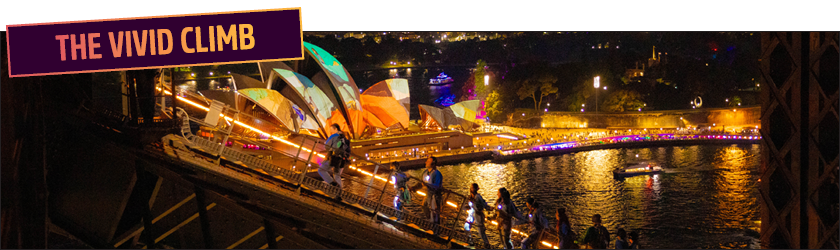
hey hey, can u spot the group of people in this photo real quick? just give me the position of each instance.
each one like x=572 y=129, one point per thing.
x=432 y=180
x=506 y=214
x=503 y=211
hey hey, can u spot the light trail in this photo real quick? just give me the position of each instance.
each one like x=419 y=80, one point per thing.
x=237 y=122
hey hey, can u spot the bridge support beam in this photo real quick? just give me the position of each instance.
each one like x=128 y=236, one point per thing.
x=799 y=118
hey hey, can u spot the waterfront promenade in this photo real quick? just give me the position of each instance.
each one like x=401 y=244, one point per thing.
x=570 y=141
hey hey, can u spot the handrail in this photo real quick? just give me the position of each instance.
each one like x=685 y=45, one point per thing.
x=289 y=175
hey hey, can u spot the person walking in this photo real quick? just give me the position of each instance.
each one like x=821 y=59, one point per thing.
x=596 y=236
x=478 y=206
x=621 y=239
x=338 y=151
x=506 y=212
x=537 y=220
x=433 y=181
x=403 y=195
x=564 y=229
x=634 y=240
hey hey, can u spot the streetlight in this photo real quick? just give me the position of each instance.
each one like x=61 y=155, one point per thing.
x=597 y=84
x=486 y=80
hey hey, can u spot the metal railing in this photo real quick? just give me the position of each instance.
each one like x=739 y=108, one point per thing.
x=374 y=193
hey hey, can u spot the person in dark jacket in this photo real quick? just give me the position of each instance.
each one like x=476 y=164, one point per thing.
x=506 y=212
x=597 y=236
x=564 y=229
x=634 y=240
x=400 y=180
x=433 y=181
x=537 y=220
x=621 y=239
x=336 y=160
x=478 y=205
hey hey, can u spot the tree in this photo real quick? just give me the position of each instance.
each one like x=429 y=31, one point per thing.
x=528 y=89
x=478 y=79
x=735 y=101
x=468 y=90
x=579 y=94
x=623 y=100
x=492 y=105
x=543 y=83
x=547 y=88
x=474 y=88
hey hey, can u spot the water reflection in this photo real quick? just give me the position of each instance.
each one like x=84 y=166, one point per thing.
x=707 y=198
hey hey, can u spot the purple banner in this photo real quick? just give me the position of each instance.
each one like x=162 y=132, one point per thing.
x=154 y=42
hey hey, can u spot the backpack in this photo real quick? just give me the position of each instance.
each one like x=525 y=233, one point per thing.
x=543 y=222
x=603 y=239
x=569 y=238
x=401 y=182
x=342 y=147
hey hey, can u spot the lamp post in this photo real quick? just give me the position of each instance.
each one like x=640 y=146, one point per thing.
x=597 y=84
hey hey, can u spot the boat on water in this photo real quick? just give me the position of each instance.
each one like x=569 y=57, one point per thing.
x=639 y=168
x=441 y=79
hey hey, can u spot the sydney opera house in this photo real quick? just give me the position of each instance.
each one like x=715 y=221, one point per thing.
x=297 y=99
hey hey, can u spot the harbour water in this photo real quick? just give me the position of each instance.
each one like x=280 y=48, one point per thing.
x=708 y=198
